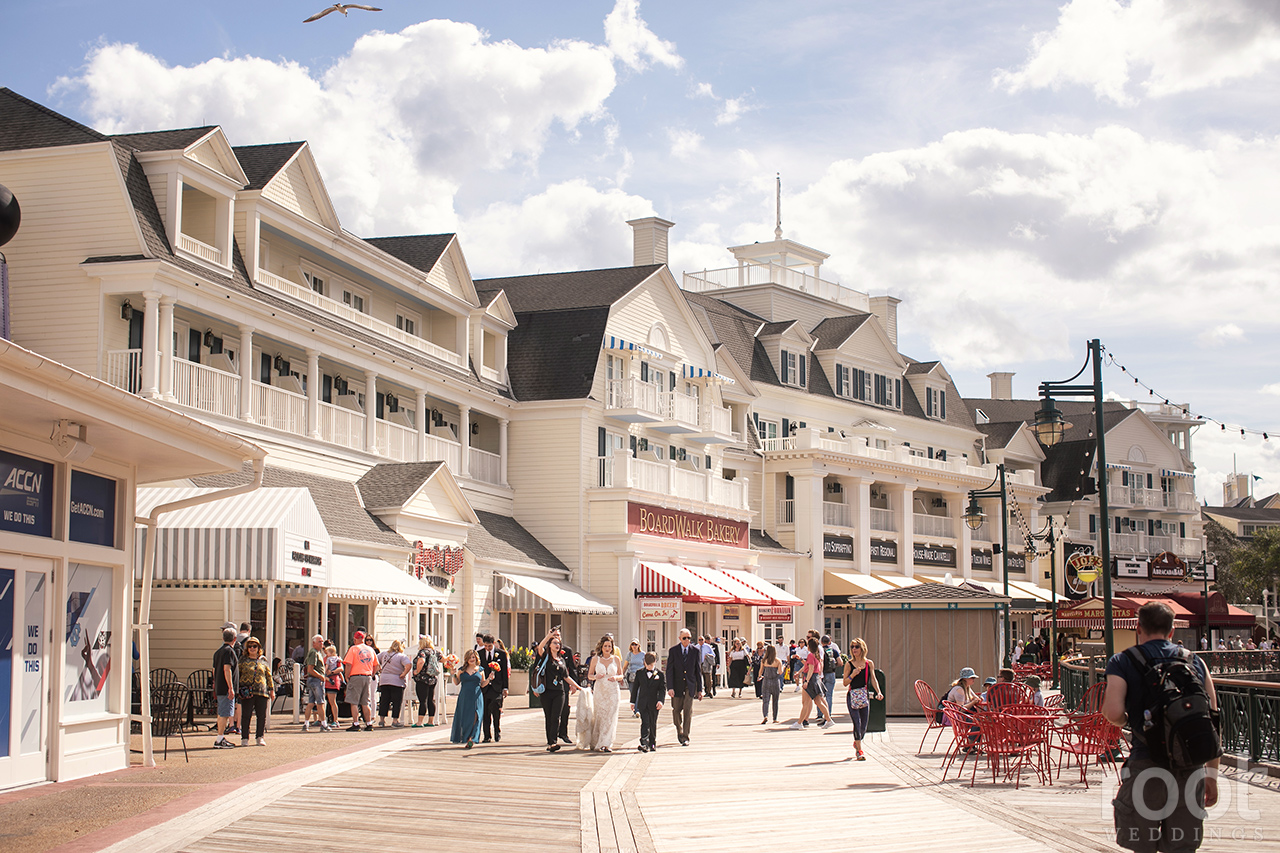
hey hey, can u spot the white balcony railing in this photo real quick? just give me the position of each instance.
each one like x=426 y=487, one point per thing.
x=490 y=373
x=772 y=444
x=622 y=471
x=123 y=369
x=396 y=442
x=279 y=409
x=882 y=519
x=201 y=250
x=1143 y=544
x=939 y=526
x=837 y=515
x=720 y=420
x=792 y=277
x=199 y=386
x=359 y=318
x=342 y=426
x=680 y=407
x=786 y=512
x=982 y=534
x=1182 y=501
x=484 y=466
x=631 y=393
x=448 y=451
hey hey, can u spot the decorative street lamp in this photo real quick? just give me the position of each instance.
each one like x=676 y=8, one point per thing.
x=1050 y=427
x=973 y=516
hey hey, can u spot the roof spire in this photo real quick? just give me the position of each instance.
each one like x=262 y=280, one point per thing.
x=777 y=231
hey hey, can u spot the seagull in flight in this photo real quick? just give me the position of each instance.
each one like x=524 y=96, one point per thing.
x=340 y=7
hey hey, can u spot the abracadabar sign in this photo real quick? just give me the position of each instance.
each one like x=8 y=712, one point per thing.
x=26 y=495
x=837 y=547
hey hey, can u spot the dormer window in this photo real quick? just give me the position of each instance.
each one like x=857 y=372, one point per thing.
x=793 y=368
x=935 y=403
x=888 y=392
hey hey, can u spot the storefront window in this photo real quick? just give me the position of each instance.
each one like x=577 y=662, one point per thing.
x=295 y=625
x=258 y=618
x=331 y=627
x=357 y=618
x=522 y=630
x=89 y=640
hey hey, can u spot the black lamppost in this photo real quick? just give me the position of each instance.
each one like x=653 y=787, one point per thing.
x=1049 y=428
x=973 y=516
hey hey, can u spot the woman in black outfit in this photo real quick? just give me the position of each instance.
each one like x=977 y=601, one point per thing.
x=554 y=670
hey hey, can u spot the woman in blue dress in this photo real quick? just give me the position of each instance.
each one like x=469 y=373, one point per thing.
x=467 y=712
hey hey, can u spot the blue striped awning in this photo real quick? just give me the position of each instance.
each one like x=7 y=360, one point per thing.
x=688 y=371
x=1166 y=472
x=616 y=343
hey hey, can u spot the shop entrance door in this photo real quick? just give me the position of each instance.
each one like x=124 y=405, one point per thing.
x=25 y=599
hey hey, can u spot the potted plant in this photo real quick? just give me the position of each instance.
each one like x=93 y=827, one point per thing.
x=522 y=659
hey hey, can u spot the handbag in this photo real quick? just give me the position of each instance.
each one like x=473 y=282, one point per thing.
x=858 y=698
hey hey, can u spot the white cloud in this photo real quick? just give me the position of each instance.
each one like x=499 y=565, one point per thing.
x=1221 y=335
x=1219 y=453
x=633 y=43
x=684 y=143
x=1171 y=46
x=730 y=111
x=397 y=124
x=1272 y=388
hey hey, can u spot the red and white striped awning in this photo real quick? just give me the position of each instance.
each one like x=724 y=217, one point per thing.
x=777 y=596
x=1122 y=623
x=742 y=594
x=670 y=579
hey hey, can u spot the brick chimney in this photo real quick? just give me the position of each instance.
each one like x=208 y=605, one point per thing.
x=650 y=240
x=1001 y=386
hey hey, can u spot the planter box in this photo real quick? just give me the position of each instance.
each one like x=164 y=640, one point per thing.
x=519 y=682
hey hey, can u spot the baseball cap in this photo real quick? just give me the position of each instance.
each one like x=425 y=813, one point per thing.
x=358 y=636
x=990 y=680
x=226 y=625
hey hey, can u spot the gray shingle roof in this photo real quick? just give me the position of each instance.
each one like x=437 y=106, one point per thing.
x=562 y=291
x=762 y=541
x=1245 y=513
x=26 y=124
x=928 y=592
x=553 y=355
x=163 y=140
x=916 y=367
x=999 y=435
x=834 y=331
x=775 y=328
x=420 y=251
x=392 y=484
x=261 y=163
x=339 y=504
x=1079 y=414
x=500 y=537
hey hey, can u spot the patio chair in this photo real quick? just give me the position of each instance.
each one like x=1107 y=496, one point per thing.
x=1091 y=701
x=1054 y=702
x=201 y=699
x=284 y=687
x=168 y=712
x=1011 y=742
x=1087 y=738
x=160 y=675
x=964 y=741
x=1004 y=693
x=933 y=720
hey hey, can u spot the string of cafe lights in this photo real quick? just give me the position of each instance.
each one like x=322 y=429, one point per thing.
x=1185 y=408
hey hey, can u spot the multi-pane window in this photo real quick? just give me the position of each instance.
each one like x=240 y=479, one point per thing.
x=406 y=321
x=936 y=403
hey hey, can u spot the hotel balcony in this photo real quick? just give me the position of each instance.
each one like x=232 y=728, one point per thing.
x=747 y=275
x=669 y=479
x=680 y=413
x=716 y=427
x=1133 y=497
x=634 y=402
x=1143 y=544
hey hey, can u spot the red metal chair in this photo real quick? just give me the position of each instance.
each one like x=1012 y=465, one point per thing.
x=964 y=738
x=1091 y=701
x=1013 y=743
x=1054 y=702
x=929 y=705
x=1087 y=738
x=1006 y=693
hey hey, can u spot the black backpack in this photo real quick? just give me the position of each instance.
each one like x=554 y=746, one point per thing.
x=830 y=660
x=425 y=675
x=1177 y=724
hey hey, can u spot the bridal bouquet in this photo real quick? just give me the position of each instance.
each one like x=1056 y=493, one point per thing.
x=450 y=661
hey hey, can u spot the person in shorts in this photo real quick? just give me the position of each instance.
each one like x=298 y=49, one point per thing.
x=313 y=670
x=360 y=665
x=225 y=664
x=1144 y=819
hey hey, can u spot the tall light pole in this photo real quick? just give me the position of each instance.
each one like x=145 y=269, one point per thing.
x=1049 y=428
x=973 y=516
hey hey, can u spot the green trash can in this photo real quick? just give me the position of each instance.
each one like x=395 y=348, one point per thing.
x=876 y=721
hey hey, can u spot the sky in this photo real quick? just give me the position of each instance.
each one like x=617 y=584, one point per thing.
x=1025 y=176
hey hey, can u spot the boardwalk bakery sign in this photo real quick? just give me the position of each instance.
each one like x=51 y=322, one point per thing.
x=674 y=524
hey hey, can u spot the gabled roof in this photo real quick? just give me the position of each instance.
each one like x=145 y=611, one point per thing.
x=500 y=537
x=769 y=330
x=999 y=434
x=261 y=163
x=1245 y=513
x=164 y=140
x=921 y=367
x=928 y=592
x=762 y=541
x=562 y=291
x=421 y=251
x=1078 y=414
x=26 y=124
x=337 y=500
x=392 y=484
x=832 y=332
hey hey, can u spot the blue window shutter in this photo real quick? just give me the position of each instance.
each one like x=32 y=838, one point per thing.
x=839 y=382
x=1149 y=481
x=803 y=425
x=708 y=462
x=897 y=393
x=1182 y=529
x=672 y=448
x=1124 y=478
x=790 y=488
x=1119 y=521
x=783 y=363
x=1093 y=524
x=1151 y=527
x=673 y=381
x=800 y=359
x=928 y=403
x=634 y=447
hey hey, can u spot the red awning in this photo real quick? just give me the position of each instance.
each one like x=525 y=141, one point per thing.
x=778 y=596
x=670 y=579
x=742 y=594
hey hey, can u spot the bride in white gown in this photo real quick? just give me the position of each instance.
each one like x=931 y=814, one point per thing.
x=606 y=677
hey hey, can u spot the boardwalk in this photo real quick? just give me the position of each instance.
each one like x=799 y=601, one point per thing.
x=739 y=783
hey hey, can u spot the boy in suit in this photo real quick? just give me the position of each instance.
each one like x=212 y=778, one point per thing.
x=646 y=699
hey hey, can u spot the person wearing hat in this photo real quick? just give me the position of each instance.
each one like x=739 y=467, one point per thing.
x=985 y=686
x=961 y=691
x=255 y=689
x=360 y=665
x=1037 y=698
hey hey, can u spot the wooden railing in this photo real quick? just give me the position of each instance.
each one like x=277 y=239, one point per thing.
x=199 y=386
x=123 y=369
x=279 y=409
x=201 y=250
x=484 y=466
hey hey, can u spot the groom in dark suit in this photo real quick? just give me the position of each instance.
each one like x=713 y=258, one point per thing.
x=684 y=683
x=496 y=690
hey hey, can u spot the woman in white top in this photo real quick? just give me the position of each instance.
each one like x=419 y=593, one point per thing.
x=606 y=675
x=739 y=660
x=396 y=665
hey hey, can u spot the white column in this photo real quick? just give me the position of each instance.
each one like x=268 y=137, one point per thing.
x=464 y=427
x=371 y=412
x=502 y=450
x=958 y=502
x=151 y=344
x=269 y=631
x=313 y=393
x=808 y=529
x=246 y=373
x=903 y=500
x=421 y=414
x=323 y=621
x=166 y=347
x=862 y=521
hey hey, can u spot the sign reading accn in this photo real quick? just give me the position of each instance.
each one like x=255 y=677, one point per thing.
x=659 y=610
x=675 y=524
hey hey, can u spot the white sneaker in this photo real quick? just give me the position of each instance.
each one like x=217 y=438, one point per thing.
x=306 y=726
x=261 y=741
x=796 y=725
x=325 y=727
x=244 y=741
x=828 y=724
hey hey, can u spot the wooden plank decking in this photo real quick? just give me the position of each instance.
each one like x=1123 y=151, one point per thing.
x=738 y=783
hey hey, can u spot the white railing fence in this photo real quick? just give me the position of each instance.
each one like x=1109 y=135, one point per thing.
x=882 y=519
x=341 y=426
x=279 y=409
x=199 y=386
x=123 y=369
x=485 y=466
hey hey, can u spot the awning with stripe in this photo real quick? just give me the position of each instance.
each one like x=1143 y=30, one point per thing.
x=268 y=535
x=851 y=583
x=742 y=594
x=528 y=592
x=688 y=371
x=616 y=343
x=1166 y=472
x=368 y=578
x=670 y=579
x=778 y=596
x=1123 y=623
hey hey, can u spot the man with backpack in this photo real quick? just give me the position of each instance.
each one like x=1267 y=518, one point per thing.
x=1165 y=695
x=831 y=666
